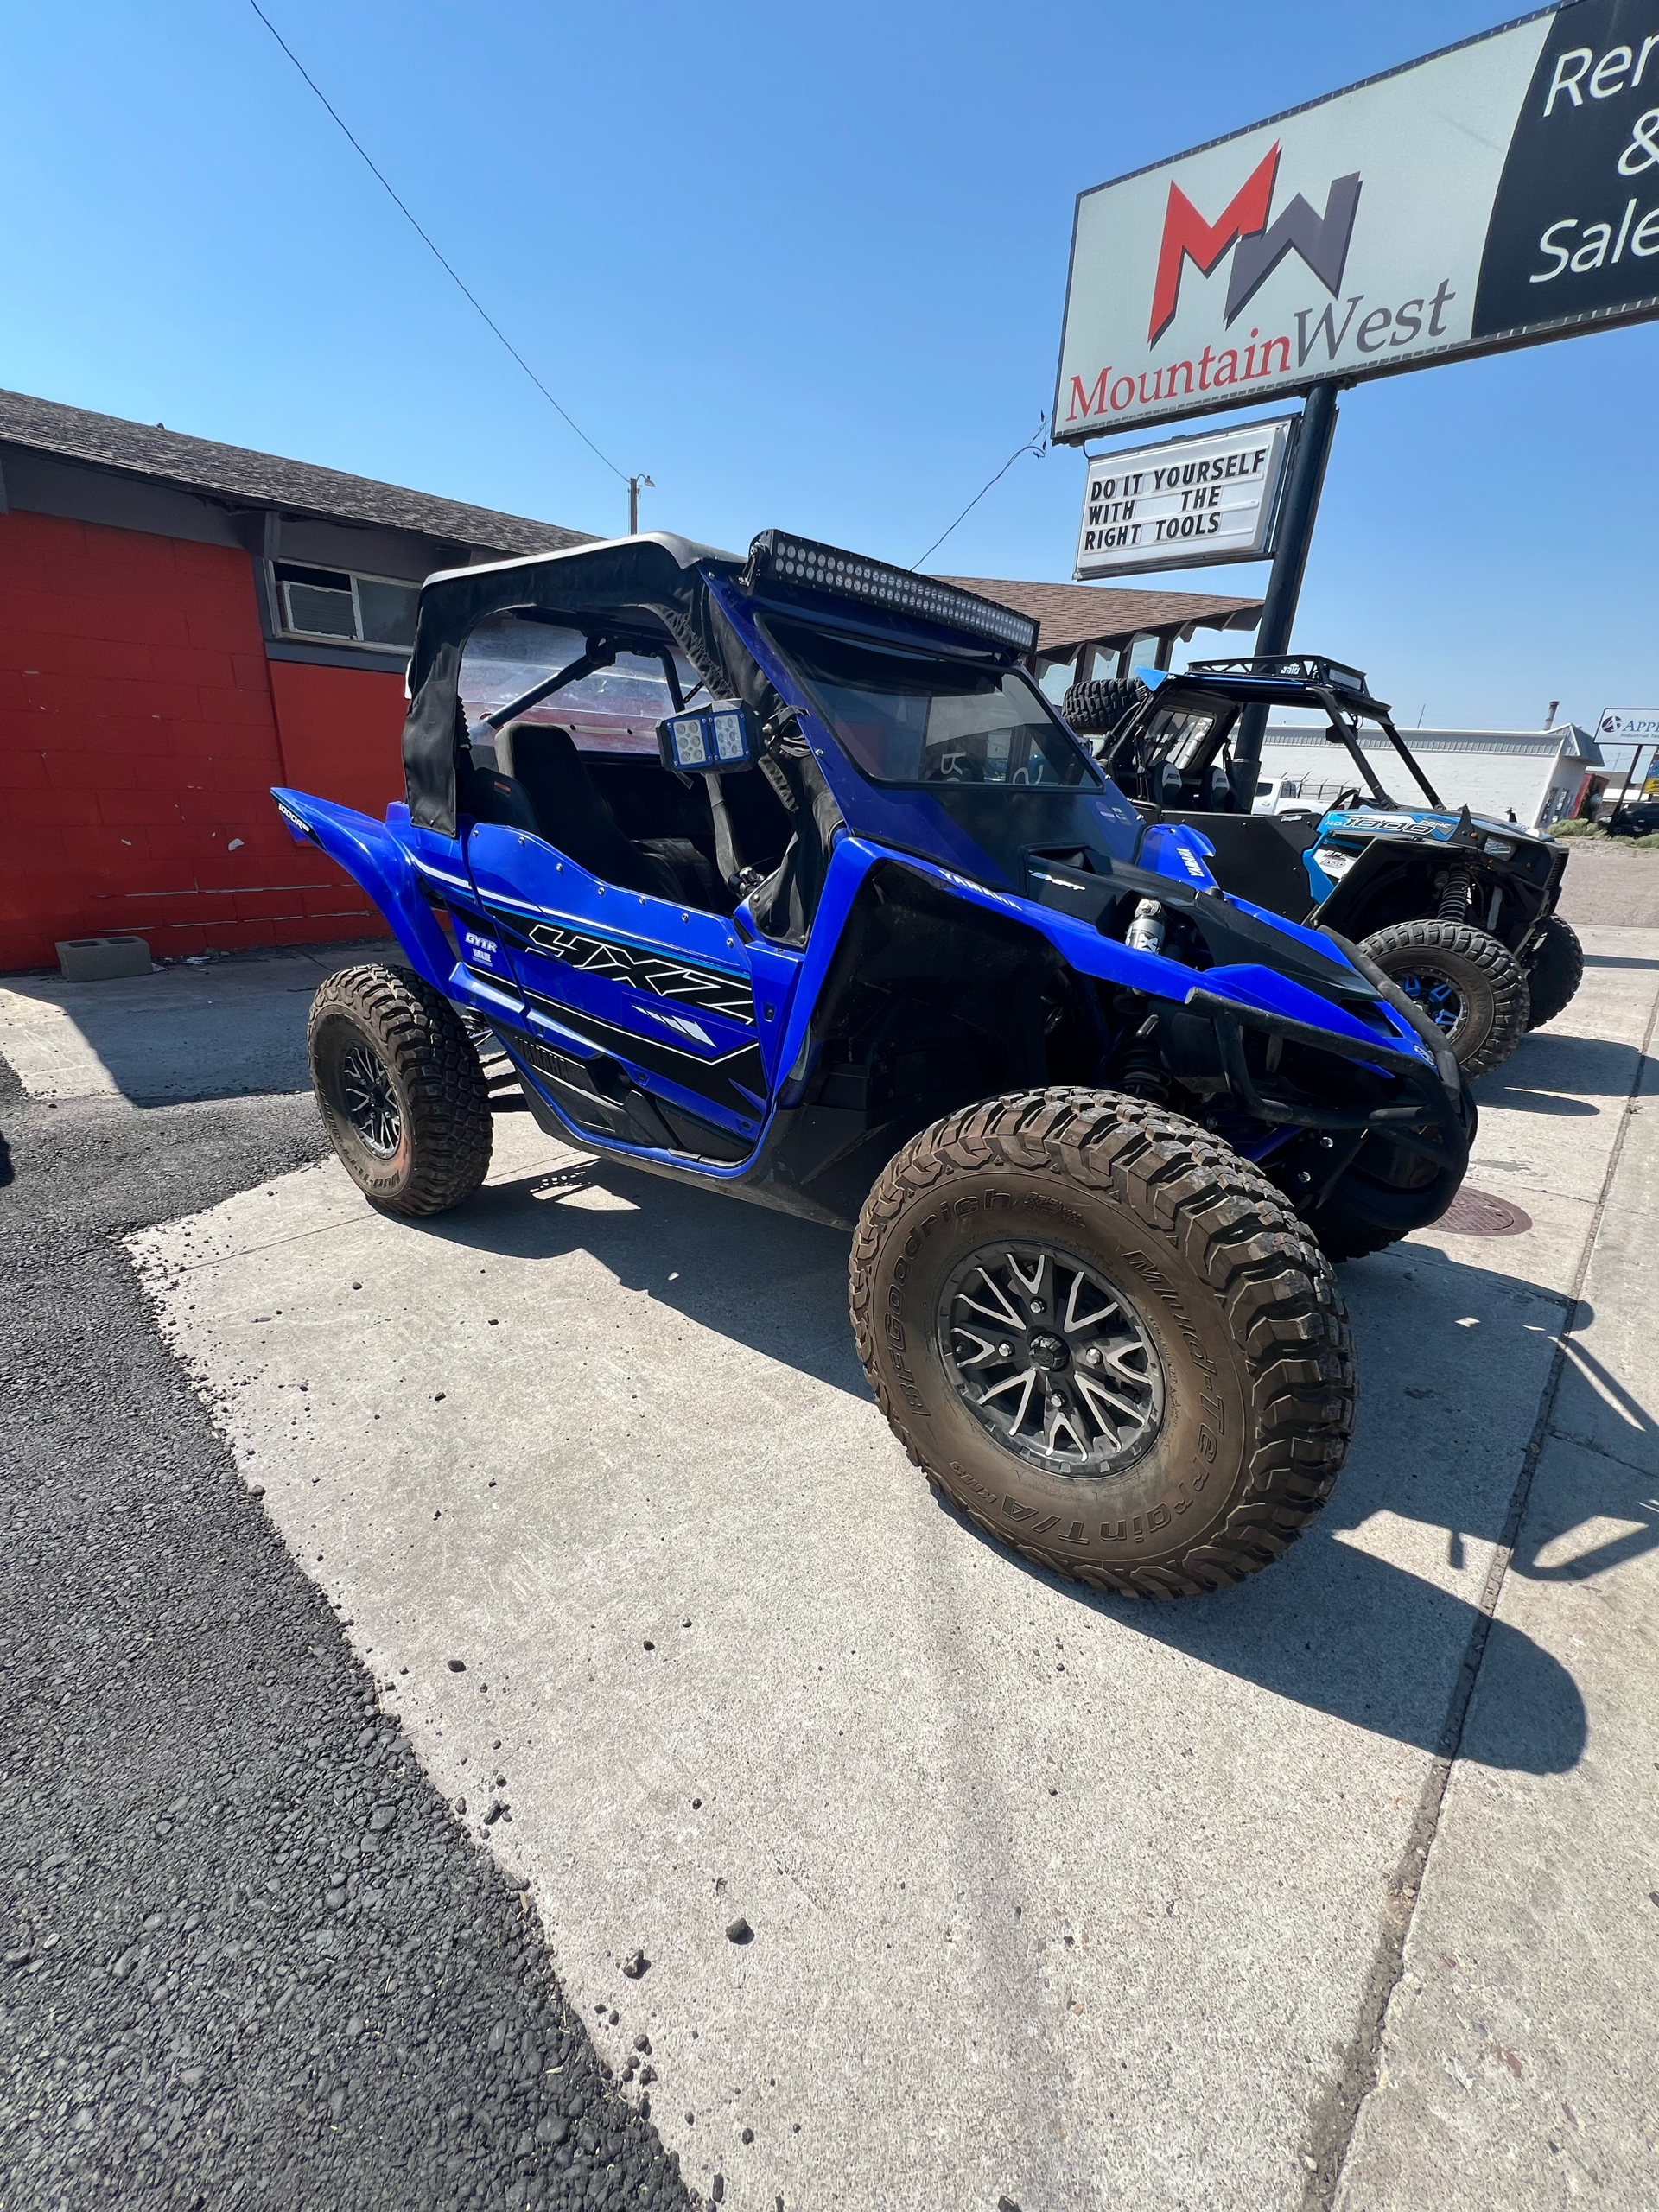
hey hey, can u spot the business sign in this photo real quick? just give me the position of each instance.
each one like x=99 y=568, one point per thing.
x=1186 y=504
x=1629 y=725
x=1497 y=194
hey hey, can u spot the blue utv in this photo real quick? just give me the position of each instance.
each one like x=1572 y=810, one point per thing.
x=778 y=875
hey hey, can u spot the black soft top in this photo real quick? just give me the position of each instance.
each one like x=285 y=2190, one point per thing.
x=637 y=587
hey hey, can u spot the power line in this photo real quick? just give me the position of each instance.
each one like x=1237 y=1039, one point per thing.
x=448 y=270
x=1037 y=445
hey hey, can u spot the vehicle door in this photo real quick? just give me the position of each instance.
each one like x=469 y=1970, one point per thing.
x=641 y=1015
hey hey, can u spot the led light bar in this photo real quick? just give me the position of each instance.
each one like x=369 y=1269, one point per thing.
x=775 y=556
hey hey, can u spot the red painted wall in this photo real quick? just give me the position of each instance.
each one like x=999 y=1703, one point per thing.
x=139 y=738
x=342 y=732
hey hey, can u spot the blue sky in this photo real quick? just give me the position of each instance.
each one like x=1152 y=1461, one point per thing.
x=803 y=267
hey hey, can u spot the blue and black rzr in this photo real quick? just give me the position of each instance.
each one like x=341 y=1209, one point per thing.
x=1457 y=909
x=778 y=875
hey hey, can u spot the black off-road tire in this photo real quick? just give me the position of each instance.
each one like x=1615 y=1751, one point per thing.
x=1239 y=1304
x=1489 y=980
x=1386 y=1194
x=1096 y=709
x=434 y=1134
x=1554 y=970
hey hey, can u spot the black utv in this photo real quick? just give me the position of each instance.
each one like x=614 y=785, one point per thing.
x=1457 y=909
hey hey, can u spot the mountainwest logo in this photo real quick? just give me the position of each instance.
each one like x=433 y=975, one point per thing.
x=1321 y=241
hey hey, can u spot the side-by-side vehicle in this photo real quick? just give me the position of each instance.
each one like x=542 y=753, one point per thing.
x=778 y=875
x=1459 y=909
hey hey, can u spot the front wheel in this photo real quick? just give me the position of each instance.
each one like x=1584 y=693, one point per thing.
x=1468 y=983
x=399 y=1088
x=1106 y=1338
x=1554 y=970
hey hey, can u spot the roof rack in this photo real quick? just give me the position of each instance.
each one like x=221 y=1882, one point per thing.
x=1290 y=668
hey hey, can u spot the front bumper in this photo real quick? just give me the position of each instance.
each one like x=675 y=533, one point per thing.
x=1428 y=1111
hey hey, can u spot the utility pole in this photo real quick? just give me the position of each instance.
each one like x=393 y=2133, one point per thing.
x=1296 y=518
x=636 y=485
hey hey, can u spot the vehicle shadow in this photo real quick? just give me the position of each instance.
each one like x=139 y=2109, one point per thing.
x=231 y=1028
x=1333 y=1626
x=1554 y=1072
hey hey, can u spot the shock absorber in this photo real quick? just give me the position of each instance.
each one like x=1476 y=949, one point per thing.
x=1457 y=888
x=1140 y=1071
x=1146 y=931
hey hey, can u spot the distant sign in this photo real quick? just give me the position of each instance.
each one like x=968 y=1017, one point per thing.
x=1186 y=504
x=1497 y=194
x=1629 y=725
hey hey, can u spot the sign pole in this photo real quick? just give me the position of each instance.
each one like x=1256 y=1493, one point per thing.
x=1296 y=518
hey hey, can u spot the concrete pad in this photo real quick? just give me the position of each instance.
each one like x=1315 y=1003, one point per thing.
x=1521 y=2046
x=1610 y=882
x=1055 y=1897
x=234 y=1025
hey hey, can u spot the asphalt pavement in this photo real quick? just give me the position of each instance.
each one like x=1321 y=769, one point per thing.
x=250 y=1957
x=1338 y=1889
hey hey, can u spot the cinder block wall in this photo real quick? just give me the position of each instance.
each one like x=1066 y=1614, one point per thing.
x=140 y=736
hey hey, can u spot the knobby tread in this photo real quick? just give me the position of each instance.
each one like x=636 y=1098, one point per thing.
x=1505 y=978
x=425 y=1045
x=1276 y=1289
x=1096 y=709
x=1553 y=972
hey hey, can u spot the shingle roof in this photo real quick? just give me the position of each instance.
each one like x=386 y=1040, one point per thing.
x=262 y=480
x=1069 y=615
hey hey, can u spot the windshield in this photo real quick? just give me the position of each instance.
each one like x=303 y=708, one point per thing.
x=919 y=718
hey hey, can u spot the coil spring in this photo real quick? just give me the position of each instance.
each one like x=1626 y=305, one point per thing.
x=1456 y=892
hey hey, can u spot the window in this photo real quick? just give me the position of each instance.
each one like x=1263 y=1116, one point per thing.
x=349 y=609
x=920 y=718
x=613 y=709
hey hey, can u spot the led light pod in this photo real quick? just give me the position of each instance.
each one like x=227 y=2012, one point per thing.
x=719 y=739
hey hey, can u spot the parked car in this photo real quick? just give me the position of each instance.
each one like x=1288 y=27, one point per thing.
x=1459 y=909
x=859 y=930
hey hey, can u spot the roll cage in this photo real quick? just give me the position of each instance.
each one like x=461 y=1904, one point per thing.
x=774 y=982
x=1173 y=749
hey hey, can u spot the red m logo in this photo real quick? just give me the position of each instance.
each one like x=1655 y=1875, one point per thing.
x=1188 y=236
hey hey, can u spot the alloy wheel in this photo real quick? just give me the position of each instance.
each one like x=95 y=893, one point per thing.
x=1052 y=1358
x=368 y=1100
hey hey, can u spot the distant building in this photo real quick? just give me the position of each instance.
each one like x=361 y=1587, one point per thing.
x=182 y=625
x=1541 y=776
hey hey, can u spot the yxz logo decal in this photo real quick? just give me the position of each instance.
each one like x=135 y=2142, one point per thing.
x=648 y=971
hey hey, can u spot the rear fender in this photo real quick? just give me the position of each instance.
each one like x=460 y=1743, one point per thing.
x=374 y=859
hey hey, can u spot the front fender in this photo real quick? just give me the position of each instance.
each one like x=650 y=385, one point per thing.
x=373 y=859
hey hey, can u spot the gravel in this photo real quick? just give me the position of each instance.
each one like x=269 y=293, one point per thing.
x=250 y=1957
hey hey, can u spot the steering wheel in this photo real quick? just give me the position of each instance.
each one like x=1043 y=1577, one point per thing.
x=1350 y=796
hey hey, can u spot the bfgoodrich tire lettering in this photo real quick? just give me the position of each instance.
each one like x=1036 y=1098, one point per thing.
x=399 y=1088
x=1240 y=1308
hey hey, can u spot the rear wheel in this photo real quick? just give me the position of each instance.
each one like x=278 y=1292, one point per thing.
x=1554 y=970
x=399 y=1088
x=1106 y=1338
x=1469 y=984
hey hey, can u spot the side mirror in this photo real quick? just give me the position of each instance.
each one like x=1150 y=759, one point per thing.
x=717 y=739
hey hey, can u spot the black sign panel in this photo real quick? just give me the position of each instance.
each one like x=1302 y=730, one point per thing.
x=1574 y=233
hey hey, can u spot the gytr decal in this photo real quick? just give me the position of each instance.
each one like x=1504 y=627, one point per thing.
x=1322 y=241
x=482 y=951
